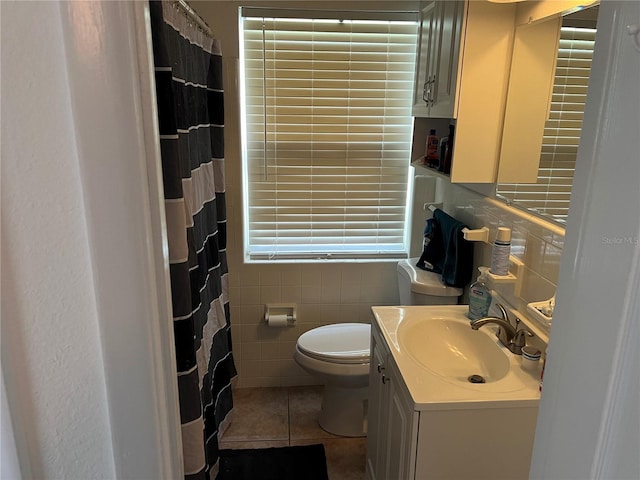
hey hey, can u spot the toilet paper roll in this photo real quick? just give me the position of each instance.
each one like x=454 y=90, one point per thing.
x=280 y=320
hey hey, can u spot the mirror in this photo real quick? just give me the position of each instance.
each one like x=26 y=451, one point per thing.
x=543 y=117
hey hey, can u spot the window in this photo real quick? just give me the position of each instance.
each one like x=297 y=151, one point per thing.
x=326 y=133
x=551 y=194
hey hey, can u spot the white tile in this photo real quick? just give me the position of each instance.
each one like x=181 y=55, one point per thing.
x=286 y=350
x=309 y=313
x=330 y=293
x=351 y=274
x=248 y=333
x=350 y=293
x=535 y=288
x=331 y=277
x=249 y=274
x=250 y=351
x=265 y=333
x=534 y=253
x=310 y=294
x=370 y=274
x=350 y=313
x=291 y=334
x=270 y=294
x=234 y=295
x=269 y=276
x=330 y=313
x=250 y=295
x=551 y=266
x=269 y=351
x=272 y=368
x=291 y=294
x=250 y=314
x=251 y=368
x=310 y=277
x=290 y=275
x=288 y=367
x=373 y=294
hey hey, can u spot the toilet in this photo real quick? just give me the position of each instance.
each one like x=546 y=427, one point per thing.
x=339 y=354
x=419 y=287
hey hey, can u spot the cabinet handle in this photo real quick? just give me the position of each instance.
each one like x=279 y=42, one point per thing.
x=425 y=92
x=380 y=368
x=432 y=90
x=385 y=379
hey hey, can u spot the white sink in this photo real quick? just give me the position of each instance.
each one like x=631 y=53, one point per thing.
x=436 y=351
x=450 y=348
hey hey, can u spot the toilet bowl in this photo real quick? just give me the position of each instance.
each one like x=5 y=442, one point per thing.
x=339 y=354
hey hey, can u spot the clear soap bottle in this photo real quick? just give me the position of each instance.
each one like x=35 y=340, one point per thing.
x=479 y=296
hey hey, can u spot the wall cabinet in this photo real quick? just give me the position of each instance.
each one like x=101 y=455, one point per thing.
x=449 y=442
x=462 y=74
x=438 y=59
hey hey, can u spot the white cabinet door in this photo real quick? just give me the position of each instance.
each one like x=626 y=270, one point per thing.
x=392 y=424
x=445 y=63
x=402 y=429
x=378 y=407
x=427 y=48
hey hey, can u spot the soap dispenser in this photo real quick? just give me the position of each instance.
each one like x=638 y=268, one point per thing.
x=479 y=296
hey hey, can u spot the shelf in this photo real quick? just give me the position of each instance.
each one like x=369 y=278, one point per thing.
x=422 y=168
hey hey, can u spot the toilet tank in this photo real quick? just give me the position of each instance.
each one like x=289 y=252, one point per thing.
x=419 y=287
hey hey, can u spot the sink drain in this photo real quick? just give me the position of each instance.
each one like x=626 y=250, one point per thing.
x=476 y=379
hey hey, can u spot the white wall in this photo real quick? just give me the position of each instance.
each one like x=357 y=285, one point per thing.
x=51 y=355
x=589 y=422
x=87 y=332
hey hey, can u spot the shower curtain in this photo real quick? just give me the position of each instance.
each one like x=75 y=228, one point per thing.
x=188 y=74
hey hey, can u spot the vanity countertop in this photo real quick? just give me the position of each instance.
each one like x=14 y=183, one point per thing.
x=430 y=389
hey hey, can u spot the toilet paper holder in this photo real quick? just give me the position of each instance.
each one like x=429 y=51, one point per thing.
x=280 y=314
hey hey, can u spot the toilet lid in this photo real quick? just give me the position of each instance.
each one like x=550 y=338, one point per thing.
x=338 y=343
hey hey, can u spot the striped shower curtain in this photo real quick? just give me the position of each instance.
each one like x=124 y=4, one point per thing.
x=188 y=74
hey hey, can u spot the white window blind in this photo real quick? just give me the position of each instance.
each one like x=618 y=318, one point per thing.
x=327 y=135
x=552 y=192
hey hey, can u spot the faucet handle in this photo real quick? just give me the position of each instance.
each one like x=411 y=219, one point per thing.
x=520 y=338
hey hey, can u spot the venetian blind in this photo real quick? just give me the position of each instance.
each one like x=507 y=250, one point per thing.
x=552 y=192
x=327 y=135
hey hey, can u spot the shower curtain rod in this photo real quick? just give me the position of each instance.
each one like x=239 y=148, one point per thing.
x=193 y=15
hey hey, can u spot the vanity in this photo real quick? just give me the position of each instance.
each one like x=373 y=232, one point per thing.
x=427 y=420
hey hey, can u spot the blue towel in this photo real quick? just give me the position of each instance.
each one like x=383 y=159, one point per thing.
x=432 y=257
x=448 y=252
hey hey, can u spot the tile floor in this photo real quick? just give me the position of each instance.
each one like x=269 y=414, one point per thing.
x=279 y=417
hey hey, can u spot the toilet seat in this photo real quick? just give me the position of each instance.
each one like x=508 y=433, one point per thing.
x=342 y=343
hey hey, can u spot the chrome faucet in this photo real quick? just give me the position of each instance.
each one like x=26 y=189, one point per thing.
x=510 y=337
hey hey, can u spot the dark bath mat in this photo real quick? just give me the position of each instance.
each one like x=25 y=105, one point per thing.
x=306 y=462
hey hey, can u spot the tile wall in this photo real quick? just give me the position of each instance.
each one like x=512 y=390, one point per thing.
x=536 y=242
x=336 y=293
x=325 y=293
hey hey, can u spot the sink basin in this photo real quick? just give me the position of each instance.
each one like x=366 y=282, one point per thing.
x=451 y=349
x=435 y=351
